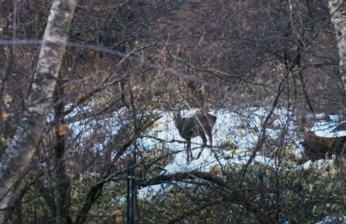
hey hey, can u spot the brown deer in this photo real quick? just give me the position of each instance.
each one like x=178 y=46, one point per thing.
x=197 y=125
x=316 y=147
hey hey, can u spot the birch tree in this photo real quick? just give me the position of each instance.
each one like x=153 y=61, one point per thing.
x=337 y=10
x=17 y=158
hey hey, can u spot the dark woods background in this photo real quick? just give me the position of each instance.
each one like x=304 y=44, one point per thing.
x=212 y=55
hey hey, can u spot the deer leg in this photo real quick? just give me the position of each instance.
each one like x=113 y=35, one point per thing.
x=188 y=151
x=204 y=140
x=210 y=139
x=204 y=144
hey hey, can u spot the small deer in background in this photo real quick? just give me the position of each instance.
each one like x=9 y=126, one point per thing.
x=316 y=147
x=197 y=125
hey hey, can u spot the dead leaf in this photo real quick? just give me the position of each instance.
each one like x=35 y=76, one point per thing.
x=63 y=129
x=5 y=116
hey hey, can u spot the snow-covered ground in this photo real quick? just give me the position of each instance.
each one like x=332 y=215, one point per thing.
x=240 y=128
x=230 y=127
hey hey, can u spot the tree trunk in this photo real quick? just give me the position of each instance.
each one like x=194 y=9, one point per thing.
x=337 y=10
x=63 y=198
x=17 y=158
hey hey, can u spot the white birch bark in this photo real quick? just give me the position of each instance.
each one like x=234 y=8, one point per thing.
x=17 y=158
x=337 y=10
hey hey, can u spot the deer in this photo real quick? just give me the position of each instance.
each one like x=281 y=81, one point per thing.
x=316 y=147
x=200 y=124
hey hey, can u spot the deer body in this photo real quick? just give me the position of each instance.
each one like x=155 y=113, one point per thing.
x=316 y=147
x=200 y=124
